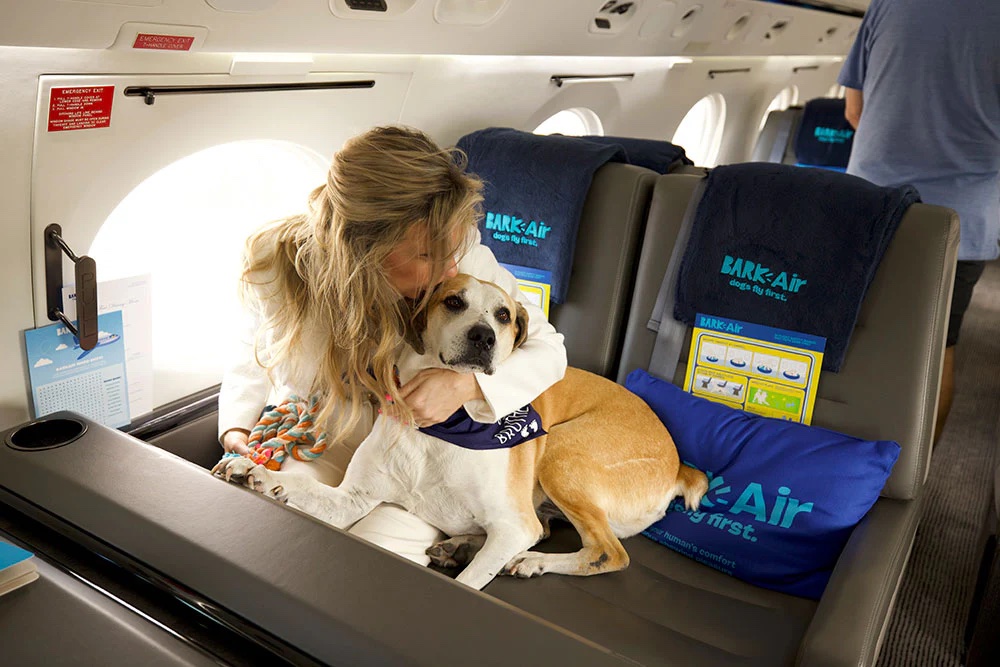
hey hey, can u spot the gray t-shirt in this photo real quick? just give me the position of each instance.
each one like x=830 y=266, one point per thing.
x=930 y=74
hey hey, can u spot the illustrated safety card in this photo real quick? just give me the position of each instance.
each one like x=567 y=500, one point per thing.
x=759 y=369
x=66 y=377
x=535 y=284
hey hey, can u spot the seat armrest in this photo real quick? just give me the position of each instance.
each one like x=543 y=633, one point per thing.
x=226 y=550
x=848 y=624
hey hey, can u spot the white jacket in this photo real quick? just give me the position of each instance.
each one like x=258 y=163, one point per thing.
x=539 y=363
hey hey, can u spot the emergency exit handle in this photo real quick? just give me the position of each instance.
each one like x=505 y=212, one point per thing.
x=86 y=302
x=85 y=271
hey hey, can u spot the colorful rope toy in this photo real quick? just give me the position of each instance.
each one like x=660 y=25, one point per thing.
x=287 y=429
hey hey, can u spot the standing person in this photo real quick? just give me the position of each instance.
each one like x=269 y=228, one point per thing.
x=923 y=92
x=330 y=292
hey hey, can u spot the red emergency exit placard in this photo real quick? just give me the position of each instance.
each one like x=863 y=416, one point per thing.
x=146 y=40
x=82 y=108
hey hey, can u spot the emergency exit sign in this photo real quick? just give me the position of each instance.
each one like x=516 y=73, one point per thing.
x=80 y=108
x=145 y=40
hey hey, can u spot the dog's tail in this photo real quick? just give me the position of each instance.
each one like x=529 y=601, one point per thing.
x=692 y=484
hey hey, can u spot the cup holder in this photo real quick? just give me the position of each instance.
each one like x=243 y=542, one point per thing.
x=46 y=434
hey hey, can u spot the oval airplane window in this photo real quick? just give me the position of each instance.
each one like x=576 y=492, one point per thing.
x=572 y=123
x=786 y=98
x=185 y=226
x=836 y=90
x=700 y=131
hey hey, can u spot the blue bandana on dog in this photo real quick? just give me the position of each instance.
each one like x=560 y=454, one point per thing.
x=460 y=429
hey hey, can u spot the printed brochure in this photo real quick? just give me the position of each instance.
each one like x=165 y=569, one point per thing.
x=535 y=284
x=762 y=370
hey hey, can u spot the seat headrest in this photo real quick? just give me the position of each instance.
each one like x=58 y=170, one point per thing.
x=825 y=137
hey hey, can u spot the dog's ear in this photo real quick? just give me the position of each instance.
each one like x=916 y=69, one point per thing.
x=520 y=326
x=414 y=325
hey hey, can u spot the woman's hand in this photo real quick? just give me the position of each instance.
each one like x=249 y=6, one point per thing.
x=235 y=440
x=434 y=394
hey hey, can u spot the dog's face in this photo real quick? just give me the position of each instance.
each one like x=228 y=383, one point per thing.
x=469 y=325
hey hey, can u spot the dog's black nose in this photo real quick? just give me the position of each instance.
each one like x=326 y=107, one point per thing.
x=482 y=337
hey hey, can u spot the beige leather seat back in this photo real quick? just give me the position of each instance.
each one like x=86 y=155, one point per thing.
x=776 y=141
x=611 y=226
x=888 y=385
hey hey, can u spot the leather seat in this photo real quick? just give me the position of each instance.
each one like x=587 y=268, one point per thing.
x=668 y=610
x=592 y=316
x=776 y=141
x=814 y=135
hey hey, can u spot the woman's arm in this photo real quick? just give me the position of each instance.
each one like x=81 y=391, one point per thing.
x=245 y=385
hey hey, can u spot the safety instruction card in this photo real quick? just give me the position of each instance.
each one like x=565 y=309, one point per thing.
x=66 y=377
x=535 y=284
x=759 y=369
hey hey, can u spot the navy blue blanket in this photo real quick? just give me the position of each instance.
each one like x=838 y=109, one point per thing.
x=535 y=189
x=825 y=137
x=660 y=156
x=536 y=186
x=788 y=247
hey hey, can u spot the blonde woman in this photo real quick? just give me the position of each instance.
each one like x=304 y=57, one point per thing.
x=329 y=293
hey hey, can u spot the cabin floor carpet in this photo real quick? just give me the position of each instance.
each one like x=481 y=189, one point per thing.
x=928 y=625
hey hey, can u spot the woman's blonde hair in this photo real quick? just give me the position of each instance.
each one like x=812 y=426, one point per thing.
x=322 y=273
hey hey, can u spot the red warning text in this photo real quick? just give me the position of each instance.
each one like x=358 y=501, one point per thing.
x=163 y=42
x=80 y=108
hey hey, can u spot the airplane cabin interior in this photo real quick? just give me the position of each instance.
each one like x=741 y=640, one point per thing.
x=143 y=141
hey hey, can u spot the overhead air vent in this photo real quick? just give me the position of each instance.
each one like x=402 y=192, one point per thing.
x=686 y=22
x=367 y=5
x=613 y=16
x=370 y=9
x=778 y=27
x=828 y=34
x=738 y=28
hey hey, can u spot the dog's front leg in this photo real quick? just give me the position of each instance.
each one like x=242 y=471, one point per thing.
x=503 y=542
x=338 y=506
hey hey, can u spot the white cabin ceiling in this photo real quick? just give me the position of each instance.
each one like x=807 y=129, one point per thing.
x=512 y=27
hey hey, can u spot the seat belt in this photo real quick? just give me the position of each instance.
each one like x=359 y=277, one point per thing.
x=670 y=332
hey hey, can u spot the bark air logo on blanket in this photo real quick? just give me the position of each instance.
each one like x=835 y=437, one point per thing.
x=750 y=501
x=750 y=276
x=832 y=135
x=511 y=229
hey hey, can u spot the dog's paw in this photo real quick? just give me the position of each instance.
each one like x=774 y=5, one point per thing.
x=243 y=471
x=526 y=565
x=457 y=551
x=442 y=554
x=233 y=468
x=278 y=493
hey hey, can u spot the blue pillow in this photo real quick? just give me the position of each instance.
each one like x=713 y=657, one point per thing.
x=783 y=497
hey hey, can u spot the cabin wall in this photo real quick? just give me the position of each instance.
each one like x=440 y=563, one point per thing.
x=497 y=74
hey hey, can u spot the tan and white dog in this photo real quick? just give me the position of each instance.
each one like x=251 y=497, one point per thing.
x=607 y=462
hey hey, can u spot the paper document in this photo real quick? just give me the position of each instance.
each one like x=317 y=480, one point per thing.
x=64 y=376
x=132 y=296
x=759 y=369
